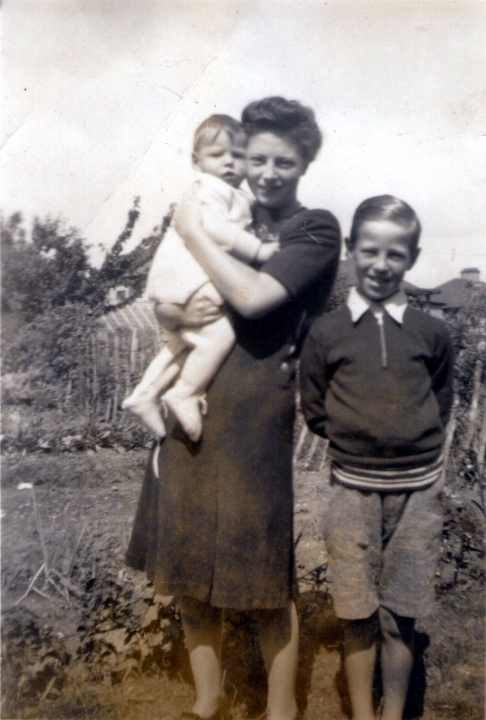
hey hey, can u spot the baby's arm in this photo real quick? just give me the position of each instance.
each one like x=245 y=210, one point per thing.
x=313 y=385
x=231 y=237
x=226 y=219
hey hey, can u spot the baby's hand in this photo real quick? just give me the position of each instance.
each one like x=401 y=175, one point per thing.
x=267 y=249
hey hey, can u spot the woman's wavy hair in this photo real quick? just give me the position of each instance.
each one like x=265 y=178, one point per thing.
x=386 y=207
x=285 y=117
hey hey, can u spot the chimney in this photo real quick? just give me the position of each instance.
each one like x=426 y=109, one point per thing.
x=470 y=274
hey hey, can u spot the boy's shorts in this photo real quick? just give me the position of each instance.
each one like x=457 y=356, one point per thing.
x=383 y=550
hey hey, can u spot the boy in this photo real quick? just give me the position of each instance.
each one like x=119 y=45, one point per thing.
x=377 y=382
x=192 y=356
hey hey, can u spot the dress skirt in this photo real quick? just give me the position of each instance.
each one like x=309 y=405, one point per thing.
x=217 y=523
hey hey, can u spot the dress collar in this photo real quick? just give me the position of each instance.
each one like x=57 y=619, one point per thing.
x=395 y=305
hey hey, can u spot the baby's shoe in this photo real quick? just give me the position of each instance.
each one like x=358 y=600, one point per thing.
x=146 y=407
x=188 y=411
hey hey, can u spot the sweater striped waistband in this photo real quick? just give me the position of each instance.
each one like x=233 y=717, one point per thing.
x=389 y=480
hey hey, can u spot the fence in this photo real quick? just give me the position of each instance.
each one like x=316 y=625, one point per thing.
x=106 y=364
x=125 y=342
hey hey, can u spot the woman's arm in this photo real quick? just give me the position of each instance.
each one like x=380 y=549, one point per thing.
x=250 y=292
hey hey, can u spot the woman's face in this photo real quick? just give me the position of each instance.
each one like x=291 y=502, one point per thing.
x=275 y=167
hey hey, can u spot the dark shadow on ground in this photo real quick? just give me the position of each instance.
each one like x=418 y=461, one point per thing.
x=245 y=679
x=319 y=628
x=414 y=706
x=245 y=676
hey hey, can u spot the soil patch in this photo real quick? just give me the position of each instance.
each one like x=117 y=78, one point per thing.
x=94 y=642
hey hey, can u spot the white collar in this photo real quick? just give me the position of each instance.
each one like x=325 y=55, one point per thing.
x=395 y=305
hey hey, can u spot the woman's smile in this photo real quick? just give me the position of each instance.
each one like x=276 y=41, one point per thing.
x=275 y=167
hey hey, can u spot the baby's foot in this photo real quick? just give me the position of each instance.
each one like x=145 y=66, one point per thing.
x=187 y=411
x=147 y=409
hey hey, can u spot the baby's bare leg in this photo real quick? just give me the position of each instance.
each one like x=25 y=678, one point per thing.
x=210 y=346
x=158 y=376
x=396 y=661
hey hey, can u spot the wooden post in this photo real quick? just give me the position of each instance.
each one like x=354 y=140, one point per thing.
x=450 y=429
x=108 y=411
x=473 y=417
x=482 y=445
x=94 y=360
x=117 y=375
x=133 y=350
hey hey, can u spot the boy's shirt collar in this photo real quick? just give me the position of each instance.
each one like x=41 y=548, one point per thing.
x=395 y=305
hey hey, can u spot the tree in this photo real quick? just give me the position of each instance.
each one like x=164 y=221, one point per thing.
x=52 y=268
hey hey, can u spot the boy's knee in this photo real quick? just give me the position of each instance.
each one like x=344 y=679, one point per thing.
x=396 y=626
x=361 y=633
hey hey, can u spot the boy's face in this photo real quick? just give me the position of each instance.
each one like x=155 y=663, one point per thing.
x=223 y=158
x=382 y=255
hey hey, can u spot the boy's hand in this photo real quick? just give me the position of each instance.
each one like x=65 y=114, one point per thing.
x=266 y=251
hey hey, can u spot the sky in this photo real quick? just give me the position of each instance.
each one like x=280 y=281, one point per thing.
x=102 y=98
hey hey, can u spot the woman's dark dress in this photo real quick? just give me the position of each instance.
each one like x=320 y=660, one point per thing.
x=217 y=524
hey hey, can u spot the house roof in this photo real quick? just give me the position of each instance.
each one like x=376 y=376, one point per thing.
x=136 y=315
x=458 y=292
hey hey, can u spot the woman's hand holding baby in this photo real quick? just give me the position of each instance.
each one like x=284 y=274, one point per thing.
x=200 y=310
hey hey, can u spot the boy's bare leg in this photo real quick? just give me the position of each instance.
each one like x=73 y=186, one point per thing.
x=203 y=630
x=359 y=661
x=160 y=373
x=279 y=643
x=396 y=661
x=210 y=346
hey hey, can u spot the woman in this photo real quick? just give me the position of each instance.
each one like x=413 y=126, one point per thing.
x=216 y=529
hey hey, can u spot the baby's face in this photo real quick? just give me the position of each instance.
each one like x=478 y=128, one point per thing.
x=223 y=158
x=382 y=255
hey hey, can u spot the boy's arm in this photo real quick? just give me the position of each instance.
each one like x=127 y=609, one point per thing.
x=313 y=385
x=442 y=374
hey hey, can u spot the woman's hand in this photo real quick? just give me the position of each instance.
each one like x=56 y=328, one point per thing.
x=200 y=310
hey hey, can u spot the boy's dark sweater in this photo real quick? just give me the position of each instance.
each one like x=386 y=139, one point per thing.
x=376 y=416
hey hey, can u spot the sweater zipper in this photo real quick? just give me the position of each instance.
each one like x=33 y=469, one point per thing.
x=381 y=326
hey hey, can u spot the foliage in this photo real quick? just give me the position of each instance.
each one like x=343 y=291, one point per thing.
x=339 y=291
x=132 y=268
x=52 y=268
x=127 y=629
x=48 y=271
x=53 y=297
x=468 y=333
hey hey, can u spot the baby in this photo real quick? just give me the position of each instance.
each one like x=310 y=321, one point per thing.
x=192 y=356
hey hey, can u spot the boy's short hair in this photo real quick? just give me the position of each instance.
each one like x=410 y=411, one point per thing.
x=386 y=207
x=209 y=129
